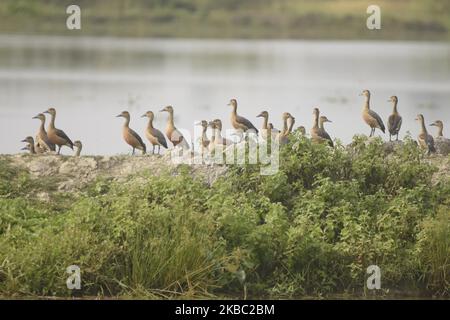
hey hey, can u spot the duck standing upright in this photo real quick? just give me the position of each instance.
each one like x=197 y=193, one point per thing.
x=42 y=139
x=441 y=143
x=323 y=133
x=424 y=139
x=395 y=120
x=154 y=136
x=371 y=117
x=219 y=139
x=240 y=123
x=172 y=132
x=265 y=127
x=129 y=135
x=57 y=136
x=204 y=141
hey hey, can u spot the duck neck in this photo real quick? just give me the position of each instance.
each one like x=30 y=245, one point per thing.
x=213 y=134
x=52 y=121
x=395 y=108
x=285 y=126
x=367 y=104
x=42 y=127
x=78 y=152
x=321 y=124
x=265 y=123
x=234 y=111
x=291 y=126
x=422 y=125
x=32 y=149
x=316 y=120
x=170 y=120
x=440 y=131
x=204 y=136
x=150 y=123
x=127 y=122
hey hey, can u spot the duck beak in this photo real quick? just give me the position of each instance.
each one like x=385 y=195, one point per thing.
x=433 y=125
x=35 y=117
x=118 y=116
x=46 y=111
x=24 y=140
x=143 y=116
x=229 y=103
x=162 y=110
x=24 y=148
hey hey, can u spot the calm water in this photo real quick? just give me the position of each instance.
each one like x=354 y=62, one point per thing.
x=89 y=81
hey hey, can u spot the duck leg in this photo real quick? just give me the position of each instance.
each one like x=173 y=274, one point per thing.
x=132 y=153
x=397 y=136
x=59 y=149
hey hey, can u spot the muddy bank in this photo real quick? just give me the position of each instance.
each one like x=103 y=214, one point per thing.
x=73 y=173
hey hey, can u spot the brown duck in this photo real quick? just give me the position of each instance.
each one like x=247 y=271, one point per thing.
x=371 y=117
x=395 y=120
x=240 y=123
x=424 y=139
x=129 y=135
x=172 y=132
x=42 y=139
x=153 y=135
x=57 y=136
x=323 y=133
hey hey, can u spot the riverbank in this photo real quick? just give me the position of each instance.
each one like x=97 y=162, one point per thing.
x=139 y=227
x=287 y=19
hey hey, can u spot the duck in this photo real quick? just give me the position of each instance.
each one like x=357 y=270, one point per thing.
x=440 y=126
x=204 y=141
x=394 y=120
x=34 y=147
x=424 y=139
x=42 y=139
x=301 y=130
x=371 y=117
x=154 y=136
x=441 y=143
x=30 y=145
x=323 y=132
x=283 y=136
x=218 y=134
x=240 y=123
x=315 y=130
x=57 y=136
x=79 y=146
x=130 y=136
x=174 y=135
x=265 y=125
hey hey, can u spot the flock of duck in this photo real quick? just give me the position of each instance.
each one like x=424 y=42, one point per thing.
x=47 y=140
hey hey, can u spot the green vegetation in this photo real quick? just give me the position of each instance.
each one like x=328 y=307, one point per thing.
x=254 y=19
x=312 y=229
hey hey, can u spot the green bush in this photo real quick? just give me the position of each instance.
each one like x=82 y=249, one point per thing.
x=311 y=229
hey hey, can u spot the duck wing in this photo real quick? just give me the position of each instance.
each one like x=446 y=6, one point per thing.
x=138 y=138
x=375 y=115
x=394 y=124
x=430 y=143
x=160 y=137
x=64 y=136
x=246 y=123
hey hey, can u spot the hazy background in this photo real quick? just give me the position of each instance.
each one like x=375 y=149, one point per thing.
x=275 y=55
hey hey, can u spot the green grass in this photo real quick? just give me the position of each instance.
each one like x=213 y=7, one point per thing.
x=250 y=19
x=310 y=230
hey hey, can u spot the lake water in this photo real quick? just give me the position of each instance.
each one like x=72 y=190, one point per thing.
x=91 y=80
